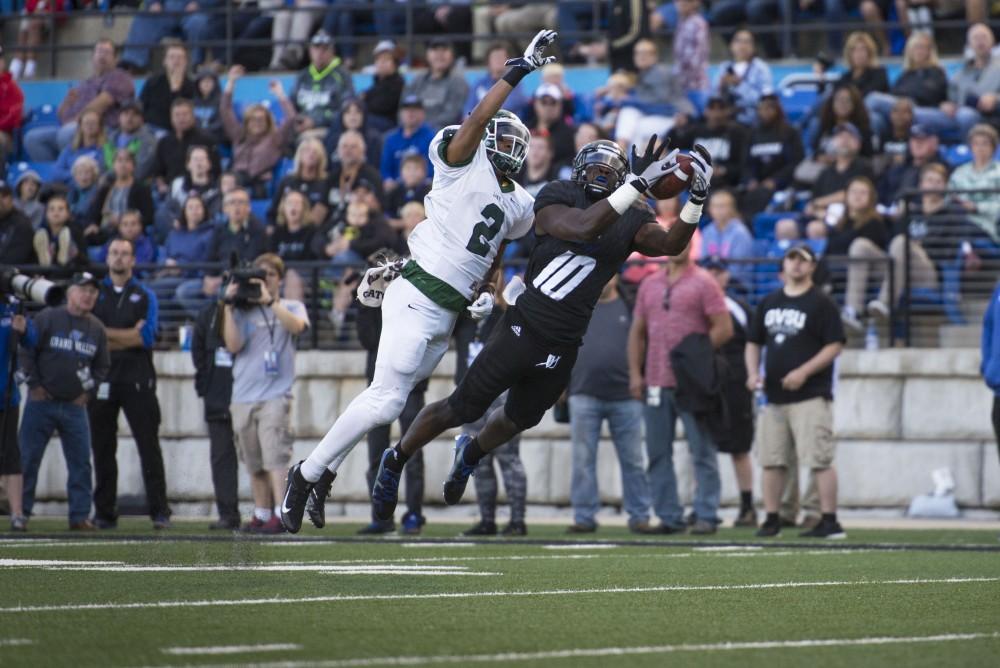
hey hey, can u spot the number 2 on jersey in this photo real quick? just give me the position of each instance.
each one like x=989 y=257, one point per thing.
x=485 y=230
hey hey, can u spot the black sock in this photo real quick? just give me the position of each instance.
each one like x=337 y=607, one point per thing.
x=772 y=518
x=473 y=453
x=746 y=501
x=829 y=518
x=398 y=460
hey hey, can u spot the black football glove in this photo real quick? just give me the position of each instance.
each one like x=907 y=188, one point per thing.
x=650 y=167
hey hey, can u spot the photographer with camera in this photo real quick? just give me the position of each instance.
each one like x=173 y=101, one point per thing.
x=12 y=320
x=130 y=313
x=260 y=330
x=63 y=369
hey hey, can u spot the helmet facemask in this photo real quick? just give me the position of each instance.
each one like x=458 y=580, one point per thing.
x=507 y=142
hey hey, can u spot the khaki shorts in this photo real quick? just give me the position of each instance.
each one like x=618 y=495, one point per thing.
x=806 y=426
x=263 y=434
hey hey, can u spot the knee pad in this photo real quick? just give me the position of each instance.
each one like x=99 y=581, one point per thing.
x=385 y=405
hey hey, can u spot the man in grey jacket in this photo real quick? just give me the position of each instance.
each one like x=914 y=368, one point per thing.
x=321 y=88
x=973 y=90
x=442 y=88
x=657 y=100
x=64 y=370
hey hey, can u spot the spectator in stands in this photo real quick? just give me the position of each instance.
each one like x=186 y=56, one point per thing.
x=501 y=17
x=847 y=164
x=197 y=178
x=258 y=142
x=133 y=135
x=82 y=186
x=798 y=327
x=206 y=102
x=555 y=74
x=744 y=78
x=538 y=168
x=262 y=341
x=131 y=315
x=724 y=138
x=940 y=242
x=727 y=237
x=769 y=13
x=598 y=391
x=31 y=30
x=659 y=96
x=174 y=149
x=15 y=228
x=213 y=381
x=292 y=239
x=413 y=186
x=290 y=30
x=609 y=100
x=189 y=20
x=691 y=44
x=922 y=149
x=410 y=215
x=496 y=65
x=88 y=140
x=773 y=150
x=69 y=338
x=923 y=81
x=448 y=17
x=861 y=234
x=894 y=141
x=843 y=107
x=862 y=69
x=442 y=88
x=585 y=133
x=121 y=193
x=973 y=91
x=190 y=238
x=11 y=108
x=353 y=238
x=983 y=174
x=173 y=83
x=382 y=99
x=414 y=135
x=106 y=89
x=27 y=196
x=671 y=305
x=549 y=119
x=309 y=175
x=353 y=116
x=321 y=88
x=130 y=229
x=58 y=241
x=350 y=169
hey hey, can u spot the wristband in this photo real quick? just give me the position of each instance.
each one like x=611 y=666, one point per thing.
x=623 y=198
x=691 y=213
x=514 y=76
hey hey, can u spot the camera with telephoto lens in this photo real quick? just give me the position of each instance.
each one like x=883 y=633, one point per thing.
x=26 y=288
x=247 y=289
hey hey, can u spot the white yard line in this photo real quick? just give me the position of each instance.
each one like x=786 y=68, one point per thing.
x=15 y=642
x=580 y=546
x=481 y=594
x=230 y=649
x=627 y=651
x=418 y=545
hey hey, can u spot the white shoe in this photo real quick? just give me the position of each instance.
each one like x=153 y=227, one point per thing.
x=879 y=309
x=16 y=68
x=29 y=69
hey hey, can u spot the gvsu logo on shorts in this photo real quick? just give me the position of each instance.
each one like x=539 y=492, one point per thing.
x=550 y=363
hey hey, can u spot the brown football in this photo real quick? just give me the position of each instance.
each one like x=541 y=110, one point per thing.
x=674 y=184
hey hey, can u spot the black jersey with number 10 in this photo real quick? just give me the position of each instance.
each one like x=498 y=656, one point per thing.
x=565 y=278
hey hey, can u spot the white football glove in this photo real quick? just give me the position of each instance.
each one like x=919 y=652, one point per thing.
x=650 y=167
x=701 y=179
x=482 y=307
x=534 y=56
x=373 y=284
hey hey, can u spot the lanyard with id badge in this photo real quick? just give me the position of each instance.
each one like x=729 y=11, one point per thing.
x=271 y=356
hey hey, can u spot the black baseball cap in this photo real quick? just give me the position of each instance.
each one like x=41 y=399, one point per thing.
x=411 y=100
x=439 y=43
x=802 y=250
x=131 y=105
x=718 y=99
x=849 y=128
x=85 y=278
x=919 y=131
x=714 y=262
x=321 y=38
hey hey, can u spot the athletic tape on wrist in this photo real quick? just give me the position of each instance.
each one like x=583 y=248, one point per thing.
x=514 y=75
x=622 y=198
x=691 y=213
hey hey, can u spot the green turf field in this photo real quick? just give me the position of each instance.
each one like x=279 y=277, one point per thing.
x=187 y=597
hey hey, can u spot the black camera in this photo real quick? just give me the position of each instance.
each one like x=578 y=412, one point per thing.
x=247 y=289
x=26 y=288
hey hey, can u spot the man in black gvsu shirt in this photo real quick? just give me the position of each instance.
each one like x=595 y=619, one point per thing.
x=129 y=312
x=801 y=329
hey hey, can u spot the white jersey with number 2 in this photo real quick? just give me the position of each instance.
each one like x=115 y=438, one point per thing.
x=469 y=214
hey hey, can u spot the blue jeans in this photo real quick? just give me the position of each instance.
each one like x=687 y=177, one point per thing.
x=191 y=297
x=586 y=414
x=41 y=419
x=44 y=143
x=661 y=422
x=880 y=104
x=149 y=30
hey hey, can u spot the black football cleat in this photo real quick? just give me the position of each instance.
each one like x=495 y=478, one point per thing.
x=294 y=503
x=316 y=505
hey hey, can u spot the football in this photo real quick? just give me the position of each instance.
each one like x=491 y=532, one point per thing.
x=674 y=184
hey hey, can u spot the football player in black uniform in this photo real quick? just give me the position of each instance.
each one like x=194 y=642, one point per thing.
x=586 y=228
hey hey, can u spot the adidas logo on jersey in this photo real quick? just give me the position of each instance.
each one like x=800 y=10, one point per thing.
x=550 y=363
x=516 y=329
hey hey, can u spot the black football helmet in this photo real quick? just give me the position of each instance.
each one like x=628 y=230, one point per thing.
x=607 y=154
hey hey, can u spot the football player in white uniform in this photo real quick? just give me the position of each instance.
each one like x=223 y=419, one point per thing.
x=472 y=208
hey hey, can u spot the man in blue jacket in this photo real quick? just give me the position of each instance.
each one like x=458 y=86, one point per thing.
x=990 y=366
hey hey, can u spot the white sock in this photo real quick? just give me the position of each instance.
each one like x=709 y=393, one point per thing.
x=16 y=67
x=277 y=510
x=263 y=514
x=350 y=427
x=29 y=69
